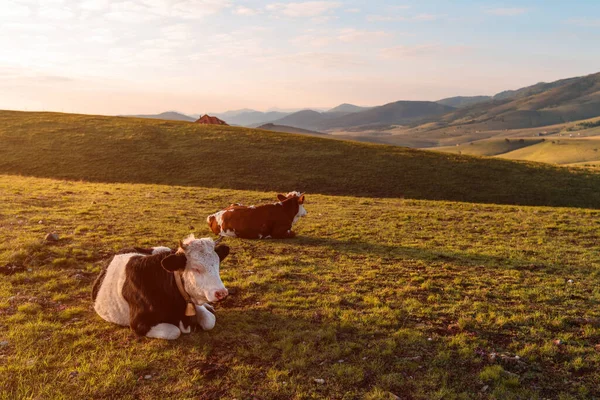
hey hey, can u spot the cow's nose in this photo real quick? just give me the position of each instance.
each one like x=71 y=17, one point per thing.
x=221 y=294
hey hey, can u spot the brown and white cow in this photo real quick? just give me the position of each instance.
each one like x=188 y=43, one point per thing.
x=160 y=292
x=263 y=221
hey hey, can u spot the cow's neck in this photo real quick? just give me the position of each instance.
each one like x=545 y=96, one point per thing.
x=166 y=279
x=291 y=209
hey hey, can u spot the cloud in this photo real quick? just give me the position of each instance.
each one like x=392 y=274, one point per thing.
x=353 y=10
x=149 y=10
x=304 y=9
x=422 y=50
x=356 y=35
x=242 y=10
x=14 y=10
x=584 y=22
x=506 y=12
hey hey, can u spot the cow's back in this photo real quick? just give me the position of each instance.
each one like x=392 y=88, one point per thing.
x=109 y=302
x=249 y=222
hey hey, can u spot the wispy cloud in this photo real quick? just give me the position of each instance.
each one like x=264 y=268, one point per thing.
x=304 y=9
x=506 y=11
x=243 y=10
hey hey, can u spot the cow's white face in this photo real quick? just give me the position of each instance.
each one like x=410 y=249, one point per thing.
x=301 y=213
x=301 y=210
x=201 y=275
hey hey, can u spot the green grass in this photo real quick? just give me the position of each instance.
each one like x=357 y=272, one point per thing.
x=423 y=299
x=113 y=149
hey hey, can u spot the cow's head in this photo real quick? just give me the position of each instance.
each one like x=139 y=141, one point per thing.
x=295 y=197
x=199 y=260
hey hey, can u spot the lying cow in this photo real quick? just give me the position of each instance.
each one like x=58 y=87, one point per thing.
x=258 y=222
x=160 y=294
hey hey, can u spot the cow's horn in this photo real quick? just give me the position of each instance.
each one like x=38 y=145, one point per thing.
x=181 y=245
x=218 y=240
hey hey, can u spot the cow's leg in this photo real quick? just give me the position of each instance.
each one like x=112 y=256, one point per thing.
x=164 y=331
x=206 y=319
x=283 y=232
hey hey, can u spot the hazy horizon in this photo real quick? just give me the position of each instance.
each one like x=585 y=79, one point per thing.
x=194 y=56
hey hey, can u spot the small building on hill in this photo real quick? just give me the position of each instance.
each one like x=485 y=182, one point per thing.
x=208 y=120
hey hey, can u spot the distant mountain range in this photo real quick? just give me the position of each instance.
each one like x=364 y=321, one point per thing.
x=463 y=101
x=532 y=106
x=169 y=115
x=287 y=129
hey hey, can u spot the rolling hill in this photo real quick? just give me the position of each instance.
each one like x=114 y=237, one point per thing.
x=347 y=109
x=113 y=149
x=397 y=113
x=539 y=105
x=287 y=129
x=463 y=101
x=305 y=119
x=169 y=116
x=490 y=147
x=250 y=117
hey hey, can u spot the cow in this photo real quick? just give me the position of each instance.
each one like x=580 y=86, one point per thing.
x=263 y=221
x=158 y=292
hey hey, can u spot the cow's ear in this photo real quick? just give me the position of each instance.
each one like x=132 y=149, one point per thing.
x=281 y=197
x=222 y=251
x=174 y=262
x=301 y=199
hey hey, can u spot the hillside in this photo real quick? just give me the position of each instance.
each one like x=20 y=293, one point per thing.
x=250 y=117
x=397 y=113
x=491 y=147
x=541 y=105
x=287 y=129
x=113 y=149
x=421 y=299
x=347 y=109
x=463 y=101
x=559 y=151
x=169 y=116
x=305 y=119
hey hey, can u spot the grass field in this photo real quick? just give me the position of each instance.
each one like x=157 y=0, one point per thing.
x=112 y=149
x=422 y=299
x=560 y=151
x=491 y=147
x=389 y=288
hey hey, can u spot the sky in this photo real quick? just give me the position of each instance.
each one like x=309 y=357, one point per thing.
x=196 y=56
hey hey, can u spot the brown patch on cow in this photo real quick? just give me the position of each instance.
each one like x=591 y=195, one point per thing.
x=213 y=224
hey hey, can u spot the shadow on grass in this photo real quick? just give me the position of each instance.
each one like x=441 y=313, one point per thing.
x=397 y=251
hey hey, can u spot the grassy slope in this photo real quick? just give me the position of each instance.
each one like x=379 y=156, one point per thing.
x=559 y=151
x=112 y=149
x=415 y=297
x=490 y=147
